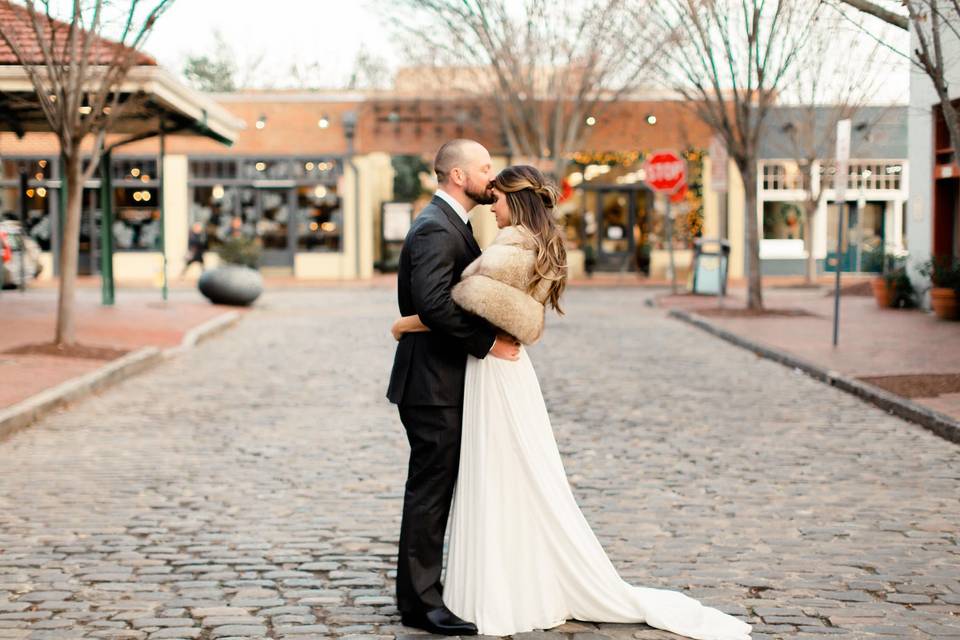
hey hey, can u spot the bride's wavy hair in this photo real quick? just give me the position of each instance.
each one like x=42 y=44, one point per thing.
x=532 y=198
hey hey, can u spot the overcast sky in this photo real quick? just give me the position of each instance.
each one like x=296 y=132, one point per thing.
x=331 y=32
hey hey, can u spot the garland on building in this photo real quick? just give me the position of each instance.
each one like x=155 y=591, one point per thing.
x=688 y=226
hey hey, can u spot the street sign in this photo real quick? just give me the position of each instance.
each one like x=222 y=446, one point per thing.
x=718 y=164
x=680 y=194
x=843 y=158
x=665 y=171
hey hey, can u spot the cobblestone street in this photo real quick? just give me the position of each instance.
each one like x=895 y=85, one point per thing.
x=252 y=486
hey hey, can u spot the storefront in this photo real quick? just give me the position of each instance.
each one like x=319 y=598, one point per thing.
x=617 y=223
x=288 y=204
x=874 y=216
x=876 y=194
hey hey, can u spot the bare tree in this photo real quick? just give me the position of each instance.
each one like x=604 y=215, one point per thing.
x=550 y=66
x=729 y=58
x=834 y=78
x=370 y=71
x=76 y=73
x=929 y=21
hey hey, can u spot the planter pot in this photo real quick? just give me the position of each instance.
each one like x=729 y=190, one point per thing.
x=882 y=292
x=231 y=284
x=944 y=303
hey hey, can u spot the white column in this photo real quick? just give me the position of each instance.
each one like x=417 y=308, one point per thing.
x=176 y=203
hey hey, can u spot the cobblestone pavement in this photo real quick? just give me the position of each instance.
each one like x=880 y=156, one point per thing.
x=252 y=487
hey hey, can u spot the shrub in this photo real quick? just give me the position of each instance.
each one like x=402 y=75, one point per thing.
x=240 y=250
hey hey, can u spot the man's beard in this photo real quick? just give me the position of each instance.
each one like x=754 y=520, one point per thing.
x=484 y=196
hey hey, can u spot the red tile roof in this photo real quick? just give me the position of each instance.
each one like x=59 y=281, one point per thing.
x=18 y=25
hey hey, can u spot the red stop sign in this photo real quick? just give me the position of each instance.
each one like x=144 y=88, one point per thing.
x=665 y=171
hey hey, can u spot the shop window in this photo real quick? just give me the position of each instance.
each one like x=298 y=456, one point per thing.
x=214 y=207
x=134 y=169
x=38 y=223
x=136 y=224
x=38 y=169
x=213 y=169
x=266 y=169
x=320 y=218
x=325 y=170
x=783 y=221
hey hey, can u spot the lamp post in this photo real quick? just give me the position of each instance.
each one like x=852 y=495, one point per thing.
x=349 y=120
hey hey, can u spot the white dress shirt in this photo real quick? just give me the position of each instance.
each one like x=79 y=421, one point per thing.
x=450 y=200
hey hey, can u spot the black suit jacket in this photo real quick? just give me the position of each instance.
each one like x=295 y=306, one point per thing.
x=429 y=367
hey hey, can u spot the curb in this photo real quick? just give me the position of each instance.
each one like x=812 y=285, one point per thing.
x=940 y=424
x=203 y=332
x=22 y=414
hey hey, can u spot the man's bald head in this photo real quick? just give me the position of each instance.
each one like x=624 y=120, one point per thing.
x=456 y=154
x=464 y=170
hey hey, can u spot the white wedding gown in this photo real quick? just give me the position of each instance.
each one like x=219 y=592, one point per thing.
x=521 y=555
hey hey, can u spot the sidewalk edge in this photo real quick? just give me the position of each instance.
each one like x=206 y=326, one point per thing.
x=23 y=413
x=940 y=424
x=203 y=332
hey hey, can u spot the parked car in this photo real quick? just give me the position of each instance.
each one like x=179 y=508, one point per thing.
x=13 y=244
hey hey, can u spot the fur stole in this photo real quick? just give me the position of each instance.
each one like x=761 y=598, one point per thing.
x=495 y=286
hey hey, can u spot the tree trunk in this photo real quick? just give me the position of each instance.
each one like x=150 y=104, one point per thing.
x=69 y=251
x=748 y=170
x=810 y=207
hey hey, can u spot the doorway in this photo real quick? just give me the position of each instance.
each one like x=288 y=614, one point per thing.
x=863 y=238
x=88 y=260
x=268 y=213
x=622 y=216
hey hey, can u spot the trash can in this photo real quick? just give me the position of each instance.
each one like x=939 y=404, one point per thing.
x=710 y=257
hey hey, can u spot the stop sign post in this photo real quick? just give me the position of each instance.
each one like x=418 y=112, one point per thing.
x=666 y=172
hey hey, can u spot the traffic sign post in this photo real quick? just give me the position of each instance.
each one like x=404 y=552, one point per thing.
x=666 y=172
x=840 y=190
x=719 y=161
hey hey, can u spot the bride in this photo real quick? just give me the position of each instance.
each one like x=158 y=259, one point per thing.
x=522 y=556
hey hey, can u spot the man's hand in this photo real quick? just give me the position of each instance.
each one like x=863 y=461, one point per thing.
x=506 y=348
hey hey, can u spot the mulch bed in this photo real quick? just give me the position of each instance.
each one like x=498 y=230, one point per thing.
x=737 y=312
x=863 y=288
x=71 y=351
x=924 y=385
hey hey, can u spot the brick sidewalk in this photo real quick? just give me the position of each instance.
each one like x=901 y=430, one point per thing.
x=138 y=319
x=872 y=341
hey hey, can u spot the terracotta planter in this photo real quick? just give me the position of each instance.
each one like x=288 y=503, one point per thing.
x=944 y=303
x=882 y=292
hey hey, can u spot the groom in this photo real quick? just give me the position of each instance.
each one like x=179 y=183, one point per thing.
x=428 y=375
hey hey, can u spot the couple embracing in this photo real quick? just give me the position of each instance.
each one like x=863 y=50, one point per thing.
x=482 y=451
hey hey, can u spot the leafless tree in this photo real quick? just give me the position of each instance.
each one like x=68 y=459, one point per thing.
x=930 y=21
x=835 y=77
x=729 y=59
x=77 y=73
x=550 y=66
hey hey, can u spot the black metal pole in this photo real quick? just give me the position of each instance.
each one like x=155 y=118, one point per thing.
x=673 y=268
x=23 y=227
x=836 y=287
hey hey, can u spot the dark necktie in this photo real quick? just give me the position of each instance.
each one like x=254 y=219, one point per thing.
x=469 y=226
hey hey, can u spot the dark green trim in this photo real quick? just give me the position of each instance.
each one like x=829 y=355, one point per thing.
x=107 y=291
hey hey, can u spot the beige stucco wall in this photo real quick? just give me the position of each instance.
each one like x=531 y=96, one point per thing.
x=735 y=230
x=138 y=266
x=176 y=209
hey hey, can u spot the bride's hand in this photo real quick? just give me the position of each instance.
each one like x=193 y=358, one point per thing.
x=396 y=330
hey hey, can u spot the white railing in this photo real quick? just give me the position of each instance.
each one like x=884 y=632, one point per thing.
x=879 y=175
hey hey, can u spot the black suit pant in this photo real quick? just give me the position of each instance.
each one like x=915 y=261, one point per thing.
x=434 y=435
